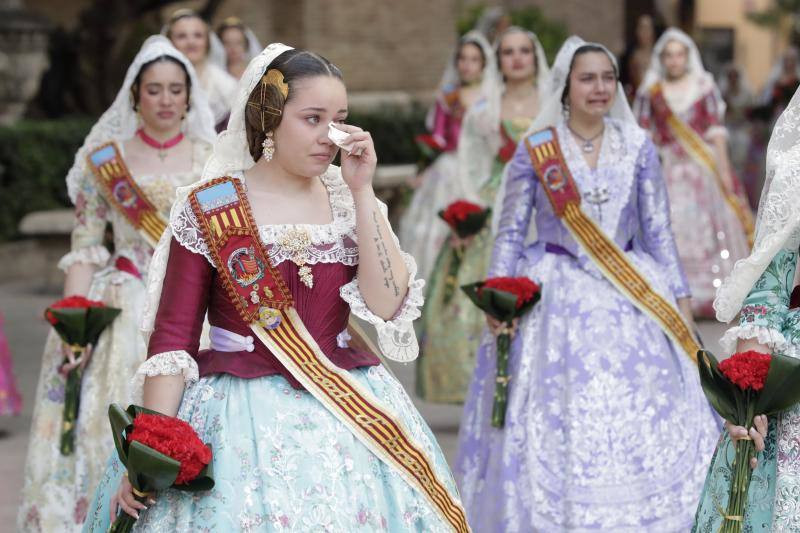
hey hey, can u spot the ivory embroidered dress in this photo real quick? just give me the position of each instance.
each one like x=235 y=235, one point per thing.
x=422 y=232
x=451 y=330
x=58 y=488
x=597 y=390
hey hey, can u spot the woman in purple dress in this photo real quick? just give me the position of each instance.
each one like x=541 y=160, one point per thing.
x=606 y=426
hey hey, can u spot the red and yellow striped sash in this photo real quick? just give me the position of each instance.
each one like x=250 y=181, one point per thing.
x=699 y=150
x=121 y=190
x=260 y=294
x=554 y=174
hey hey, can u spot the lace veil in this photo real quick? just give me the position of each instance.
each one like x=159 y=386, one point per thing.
x=778 y=223
x=480 y=137
x=552 y=110
x=119 y=122
x=704 y=80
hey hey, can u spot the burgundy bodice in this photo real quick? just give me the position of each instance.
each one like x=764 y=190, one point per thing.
x=192 y=286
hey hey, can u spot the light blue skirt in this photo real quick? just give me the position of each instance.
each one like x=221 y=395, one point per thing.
x=282 y=462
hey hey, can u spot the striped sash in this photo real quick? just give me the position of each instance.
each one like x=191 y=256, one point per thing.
x=698 y=149
x=264 y=302
x=557 y=181
x=121 y=190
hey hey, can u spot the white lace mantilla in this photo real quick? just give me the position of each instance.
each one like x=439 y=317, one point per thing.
x=335 y=242
x=778 y=225
x=164 y=364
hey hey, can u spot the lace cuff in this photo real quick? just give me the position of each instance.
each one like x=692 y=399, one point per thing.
x=91 y=255
x=164 y=364
x=716 y=131
x=396 y=337
x=764 y=335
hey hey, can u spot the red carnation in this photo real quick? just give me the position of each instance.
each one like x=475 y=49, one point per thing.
x=175 y=438
x=747 y=370
x=523 y=288
x=458 y=212
x=74 y=302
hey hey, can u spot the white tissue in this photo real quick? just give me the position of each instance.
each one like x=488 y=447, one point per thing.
x=338 y=136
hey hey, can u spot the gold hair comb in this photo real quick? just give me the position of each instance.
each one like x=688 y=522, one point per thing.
x=275 y=77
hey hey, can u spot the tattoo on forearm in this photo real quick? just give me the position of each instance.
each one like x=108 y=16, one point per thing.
x=383 y=257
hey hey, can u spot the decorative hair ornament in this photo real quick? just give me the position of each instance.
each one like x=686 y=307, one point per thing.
x=273 y=77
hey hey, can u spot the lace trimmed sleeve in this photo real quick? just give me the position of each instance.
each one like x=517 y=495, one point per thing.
x=173 y=363
x=766 y=307
x=396 y=337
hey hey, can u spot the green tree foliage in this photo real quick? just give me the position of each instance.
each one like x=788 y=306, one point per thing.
x=550 y=33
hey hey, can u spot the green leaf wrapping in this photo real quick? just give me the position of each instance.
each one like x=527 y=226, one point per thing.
x=82 y=326
x=472 y=225
x=500 y=305
x=782 y=388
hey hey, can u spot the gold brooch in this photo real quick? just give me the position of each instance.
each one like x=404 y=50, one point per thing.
x=297 y=241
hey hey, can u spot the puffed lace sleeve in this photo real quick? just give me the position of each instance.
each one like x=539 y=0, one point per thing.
x=91 y=215
x=766 y=307
x=396 y=337
x=182 y=281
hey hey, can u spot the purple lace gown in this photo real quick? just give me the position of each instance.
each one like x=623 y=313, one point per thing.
x=607 y=428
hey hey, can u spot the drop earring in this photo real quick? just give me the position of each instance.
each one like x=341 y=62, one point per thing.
x=268 y=147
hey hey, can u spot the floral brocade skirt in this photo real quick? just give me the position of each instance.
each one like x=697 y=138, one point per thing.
x=282 y=462
x=57 y=488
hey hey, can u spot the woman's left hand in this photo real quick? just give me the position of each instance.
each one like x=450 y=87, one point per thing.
x=358 y=166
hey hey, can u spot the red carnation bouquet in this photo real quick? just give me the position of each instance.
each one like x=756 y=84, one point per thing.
x=79 y=322
x=429 y=148
x=466 y=220
x=739 y=388
x=158 y=452
x=505 y=299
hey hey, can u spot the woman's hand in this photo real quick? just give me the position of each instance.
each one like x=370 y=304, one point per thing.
x=73 y=363
x=358 y=166
x=757 y=434
x=496 y=327
x=125 y=500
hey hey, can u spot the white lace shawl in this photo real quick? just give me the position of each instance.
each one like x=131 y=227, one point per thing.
x=335 y=242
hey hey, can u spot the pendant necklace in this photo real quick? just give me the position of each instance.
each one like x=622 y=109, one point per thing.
x=588 y=144
x=161 y=147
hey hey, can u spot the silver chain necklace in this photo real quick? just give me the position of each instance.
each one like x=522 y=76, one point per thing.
x=588 y=144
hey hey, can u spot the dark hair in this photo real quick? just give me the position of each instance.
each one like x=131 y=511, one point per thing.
x=295 y=65
x=586 y=49
x=526 y=33
x=136 y=87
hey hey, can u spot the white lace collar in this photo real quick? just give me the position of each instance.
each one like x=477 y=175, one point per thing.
x=616 y=167
x=327 y=241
